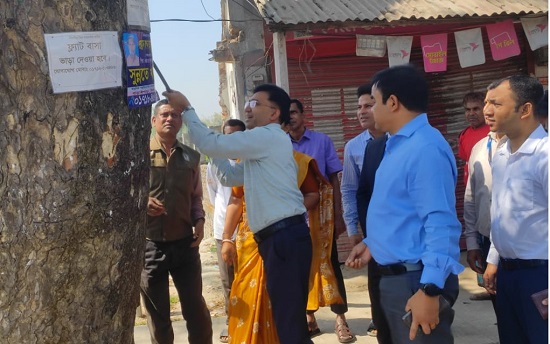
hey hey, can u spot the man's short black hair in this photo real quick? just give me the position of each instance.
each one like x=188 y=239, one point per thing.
x=541 y=110
x=406 y=83
x=526 y=89
x=234 y=123
x=364 y=89
x=298 y=103
x=279 y=97
x=473 y=97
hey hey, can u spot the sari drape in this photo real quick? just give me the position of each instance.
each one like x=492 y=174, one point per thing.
x=250 y=317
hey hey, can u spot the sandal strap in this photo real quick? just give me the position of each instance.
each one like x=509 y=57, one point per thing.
x=343 y=332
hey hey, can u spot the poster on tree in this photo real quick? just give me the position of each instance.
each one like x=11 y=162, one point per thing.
x=139 y=69
x=84 y=61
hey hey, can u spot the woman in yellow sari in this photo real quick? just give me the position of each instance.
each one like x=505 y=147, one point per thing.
x=250 y=317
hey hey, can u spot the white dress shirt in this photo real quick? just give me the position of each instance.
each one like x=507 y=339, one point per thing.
x=477 y=196
x=519 y=209
x=219 y=196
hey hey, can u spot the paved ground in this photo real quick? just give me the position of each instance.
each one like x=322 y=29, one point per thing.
x=474 y=320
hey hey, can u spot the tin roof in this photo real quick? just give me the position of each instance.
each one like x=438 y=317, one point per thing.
x=292 y=12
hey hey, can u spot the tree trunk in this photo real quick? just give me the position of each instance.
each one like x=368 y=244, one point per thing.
x=73 y=187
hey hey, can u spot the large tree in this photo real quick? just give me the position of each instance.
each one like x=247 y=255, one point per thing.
x=73 y=187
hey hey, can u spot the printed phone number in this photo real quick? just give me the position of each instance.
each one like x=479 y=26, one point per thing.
x=143 y=99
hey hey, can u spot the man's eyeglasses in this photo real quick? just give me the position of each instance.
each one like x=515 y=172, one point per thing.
x=253 y=103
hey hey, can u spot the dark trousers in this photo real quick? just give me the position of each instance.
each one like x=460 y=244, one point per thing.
x=485 y=244
x=517 y=318
x=343 y=307
x=396 y=290
x=227 y=274
x=383 y=334
x=184 y=265
x=287 y=261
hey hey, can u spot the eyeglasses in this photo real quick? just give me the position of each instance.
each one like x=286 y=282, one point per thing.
x=253 y=103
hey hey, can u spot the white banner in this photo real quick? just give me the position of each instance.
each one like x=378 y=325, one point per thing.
x=536 y=30
x=368 y=45
x=84 y=61
x=399 y=49
x=469 y=45
x=138 y=14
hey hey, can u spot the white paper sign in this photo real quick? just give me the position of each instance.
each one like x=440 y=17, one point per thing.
x=368 y=45
x=138 y=14
x=399 y=50
x=469 y=45
x=536 y=30
x=84 y=61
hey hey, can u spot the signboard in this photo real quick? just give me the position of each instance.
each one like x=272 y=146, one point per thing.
x=368 y=45
x=139 y=69
x=84 y=61
x=399 y=50
x=138 y=14
x=503 y=39
x=536 y=30
x=434 y=52
x=469 y=45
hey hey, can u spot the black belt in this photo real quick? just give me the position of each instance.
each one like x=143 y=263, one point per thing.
x=399 y=268
x=277 y=226
x=513 y=264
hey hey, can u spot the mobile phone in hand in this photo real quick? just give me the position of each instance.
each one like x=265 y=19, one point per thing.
x=444 y=304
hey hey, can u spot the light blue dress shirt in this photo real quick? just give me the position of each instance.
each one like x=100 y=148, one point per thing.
x=354 y=151
x=412 y=216
x=267 y=168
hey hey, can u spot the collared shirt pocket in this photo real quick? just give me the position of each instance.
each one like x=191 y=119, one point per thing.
x=520 y=194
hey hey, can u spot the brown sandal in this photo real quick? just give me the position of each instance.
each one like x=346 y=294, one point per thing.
x=313 y=329
x=343 y=332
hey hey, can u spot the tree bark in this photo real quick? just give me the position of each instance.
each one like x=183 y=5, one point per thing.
x=73 y=187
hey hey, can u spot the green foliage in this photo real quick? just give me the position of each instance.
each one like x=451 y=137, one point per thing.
x=215 y=120
x=174 y=299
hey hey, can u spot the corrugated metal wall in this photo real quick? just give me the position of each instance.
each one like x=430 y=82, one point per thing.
x=327 y=89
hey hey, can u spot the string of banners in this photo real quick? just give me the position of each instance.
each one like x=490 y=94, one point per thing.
x=469 y=44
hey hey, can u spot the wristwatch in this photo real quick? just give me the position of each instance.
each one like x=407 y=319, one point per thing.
x=431 y=289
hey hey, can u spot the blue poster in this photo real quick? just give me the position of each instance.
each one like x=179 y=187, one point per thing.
x=139 y=69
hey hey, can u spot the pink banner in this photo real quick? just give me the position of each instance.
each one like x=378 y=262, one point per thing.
x=503 y=39
x=434 y=50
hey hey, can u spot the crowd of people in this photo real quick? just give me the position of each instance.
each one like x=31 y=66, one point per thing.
x=280 y=207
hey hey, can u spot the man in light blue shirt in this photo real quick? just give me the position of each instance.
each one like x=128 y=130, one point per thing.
x=275 y=205
x=519 y=210
x=354 y=151
x=413 y=231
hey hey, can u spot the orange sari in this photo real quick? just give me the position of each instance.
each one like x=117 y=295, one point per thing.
x=250 y=317
x=323 y=289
